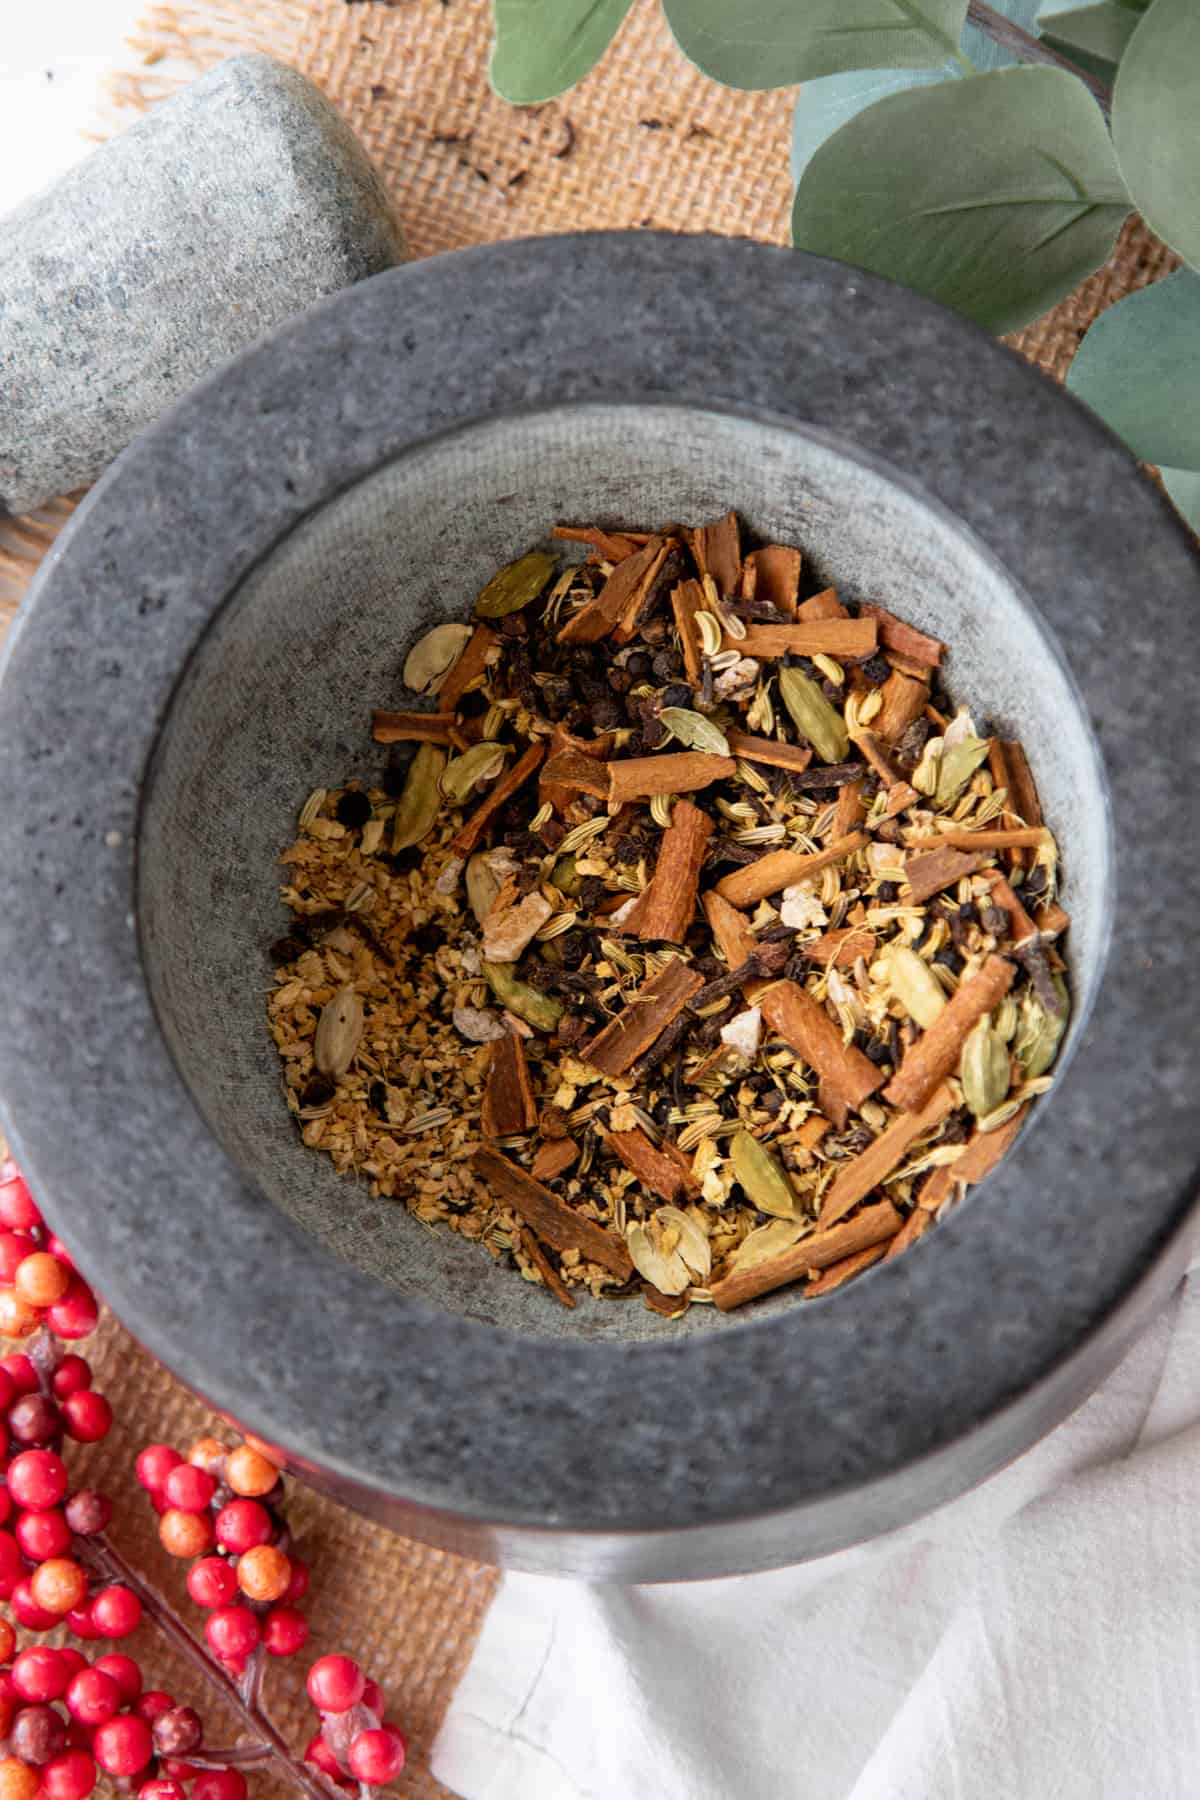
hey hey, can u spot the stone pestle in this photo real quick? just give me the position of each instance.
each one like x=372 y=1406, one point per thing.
x=239 y=201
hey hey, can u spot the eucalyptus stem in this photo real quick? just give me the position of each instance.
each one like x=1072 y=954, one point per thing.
x=1031 y=49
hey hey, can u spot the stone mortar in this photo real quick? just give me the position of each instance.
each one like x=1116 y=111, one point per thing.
x=230 y=207
x=209 y=640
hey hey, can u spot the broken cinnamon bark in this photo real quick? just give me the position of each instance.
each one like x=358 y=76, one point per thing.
x=416 y=728
x=962 y=838
x=838 y=949
x=779 y=869
x=848 y=638
x=552 y=1219
x=574 y=772
x=687 y=599
x=934 y=870
x=776 y=576
x=873 y=1225
x=874 y=1164
x=595 y=620
x=614 y=546
x=904 y=698
x=656 y=1171
x=464 y=841
x=872 y=748
x=469 y=667
x=650 y=1010
x=844 y=1271
x=916 y=647
x=936 y=1052
x=769 y=751
x=641 y=777
x=546 y=1269
x=850 y=811
x=555 y=794
x=717 y=550
x=554 y=1158
x=508 y=1103
x=824 y=605
x=665 y=909
x=846 y=1074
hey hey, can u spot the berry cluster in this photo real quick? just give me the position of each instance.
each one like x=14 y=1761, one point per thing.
x=221 y=1507
x=354 y=1744
x=64 y=1721
x=39 y=1284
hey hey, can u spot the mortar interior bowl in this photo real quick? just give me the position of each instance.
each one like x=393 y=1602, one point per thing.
x=205 y=647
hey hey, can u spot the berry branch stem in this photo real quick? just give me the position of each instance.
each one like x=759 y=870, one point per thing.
x=108 y=1561
x=1030 y=49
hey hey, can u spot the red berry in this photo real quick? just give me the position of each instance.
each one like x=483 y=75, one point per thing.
x=212 y=1581
x=93 y=1697
x=71 y=1776
x=80 y=1622
x=155 y=1464
x=374 y=1699
x=318 y=1752
x=188 y=1488
x=297 y=1587
x=153 y=1704
x=8 y=1641
x=21 y=1373
x=40 y=1674
x=33 y=1419
x=76 y=1314
x=29 y=1614
x=38 y=1735
x=74 y=1659
x=335 y=1683
x=123 y=1745
x=10 y=1563
x=37 y=1479
x=377 y=1756
x=124 y=1671
x=15 y=1246
x=87 y=1512
x=219 y=1784
x=285 y=1631
x=73 y=1374
x=176 y=1770
x=161 y=1788
x=17 y=1210
x=232 y=1631
x=116 y=1611
x=87 y=1416
x=242 y=1525
x=42 y=1535
x=56 y=1247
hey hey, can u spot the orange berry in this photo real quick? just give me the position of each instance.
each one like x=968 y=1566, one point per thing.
x=184 y=1534
x=17 y=1320
x=8 y=1641
x=264 y=1573
x=208 y=1453
x=249 y=1473
x=59 y=1585
x=270 y=1451
x=41 y=1279
x=17 y=1780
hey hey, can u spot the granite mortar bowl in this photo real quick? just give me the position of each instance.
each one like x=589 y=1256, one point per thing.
x=205 y=645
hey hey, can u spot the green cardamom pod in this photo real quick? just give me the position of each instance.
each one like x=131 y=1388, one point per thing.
x=763 y=1178
x=515 y=586
x=984 y=1069
x=813 y=717
x=421 y=801
x=540 y=1010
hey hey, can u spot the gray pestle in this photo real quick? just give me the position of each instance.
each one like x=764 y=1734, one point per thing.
x=234 y=204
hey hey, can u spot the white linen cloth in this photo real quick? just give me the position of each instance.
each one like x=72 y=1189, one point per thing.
x=1038 y=1639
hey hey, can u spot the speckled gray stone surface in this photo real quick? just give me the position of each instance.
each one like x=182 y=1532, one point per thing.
x=234 y=204
x=765 y=1440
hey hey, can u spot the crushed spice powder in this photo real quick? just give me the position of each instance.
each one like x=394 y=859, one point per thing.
x=691 y=946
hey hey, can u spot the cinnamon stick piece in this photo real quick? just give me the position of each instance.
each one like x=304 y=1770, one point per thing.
x=730 y=928
x=903 y=698
x=576 y=770
x=905 y=640
x=640 y=777
x=1022 y=789
x=873 y=1225
x=718 y=552
x=1020 y=924
x=962 y=838
x=546 y=1269
x=935 y=1053
x=687 y=599
x=850 y=810
x=780 y=868
x=877 y=1161
x=613 y=546
x=985 y=1150
x=914 y=1228
x=465 y=840
x=470 y=664
x=824 y=605
x=665 y=909
x=595 y=620
x=661 y=1174
x=414 y=728
x=553 y=1220
x=846 y=1075
x=508 y=1104
x=558 y=795
x=554 y=1158
x=934 y=870
x=845 y=1270
x=775 y=572
x=769 y=751
x=839 y=948
x=849 y=638
x=652 y=1008
x=872 y=748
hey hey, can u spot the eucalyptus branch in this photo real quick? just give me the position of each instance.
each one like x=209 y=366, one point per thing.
x=1030 y=49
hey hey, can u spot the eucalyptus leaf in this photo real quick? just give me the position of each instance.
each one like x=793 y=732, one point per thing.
x=1183 y=485
x=771 y=43
x=543 y=47
x=995 y=196
x=822 y=106
x=1139 y=368
x=1100 y=32
x=1156 y=122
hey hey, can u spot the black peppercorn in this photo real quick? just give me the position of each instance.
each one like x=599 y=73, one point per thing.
x=353 y=809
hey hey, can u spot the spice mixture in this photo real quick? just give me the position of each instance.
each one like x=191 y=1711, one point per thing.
x=700 y=947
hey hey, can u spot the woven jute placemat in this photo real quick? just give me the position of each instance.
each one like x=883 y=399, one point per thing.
x=644 y=141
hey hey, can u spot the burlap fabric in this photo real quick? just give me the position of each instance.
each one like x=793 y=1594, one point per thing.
x=644 y=141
